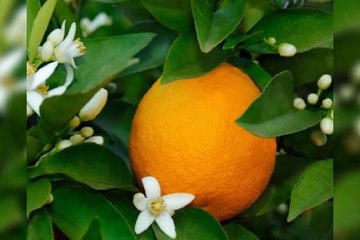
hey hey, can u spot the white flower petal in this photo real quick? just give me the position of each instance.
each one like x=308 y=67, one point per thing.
x=166 y=224
x=69 y=75
x=56 y=91
x=143 y=222
x=140 y=201
x=152 y=187
x=69 y=38
x=34 y=100
x=176 y=201
x=43 y=74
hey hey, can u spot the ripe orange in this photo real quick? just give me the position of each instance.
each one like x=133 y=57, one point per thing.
x=184 y=134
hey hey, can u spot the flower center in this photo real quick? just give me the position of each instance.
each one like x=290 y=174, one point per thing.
x=80 y=46
x=30 y=69
x=157 y=206
x=43 y=89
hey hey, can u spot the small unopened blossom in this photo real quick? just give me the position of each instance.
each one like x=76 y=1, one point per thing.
x=272 y=40
x=94 y=106
x=87 y=132
x=324 y=81
x=75 y=122
x=287 y=50
x=327 y=103
x=64 y=144
x=157 y=208
x=318 y=138
x=96 y=139
x=76 y=139
x=100 y=20
x=299 y=103
x=312 y=98
x=327 y=126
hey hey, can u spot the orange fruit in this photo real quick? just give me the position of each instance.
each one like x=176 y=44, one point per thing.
x=184 y=133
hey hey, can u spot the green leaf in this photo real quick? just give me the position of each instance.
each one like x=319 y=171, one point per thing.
x=314 y=187
x=154 y=54
x=215 y=20
x=194 y=223
x=40 y=227
x=287 y=170
x=94 y=231
x=346 y=203
x=304 y=28
x=192 y=64
x=41 y=23
x=306 y=67
x=236 y=231
x=175 y=15
x=33 y=7
x=73 y=210
x=254 y=11
x=37 y=194
x=11 y=212
x=105 y=58
x=255 y=71
x=90 y=164
x=265 y=120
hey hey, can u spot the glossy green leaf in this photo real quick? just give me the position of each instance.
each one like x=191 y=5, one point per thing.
x=254 y=70
x=314 y=187
x=33 y=7
x=236 y=39
x=306 y=67
x=287 y=171
x=215 y=20
x=94 y=231
x=304 y=28
x=105 y=59
x=254 y=11
x=40 y=227
x=194 y=223
x=37 y=194
x=90 y=164
x=41 y=22
x=109 y=1
x=73 y=210
x=192 y=64
x=346 y=203
x=265 y=120
x=175 y=15
x=153 y=55
x=236 y=231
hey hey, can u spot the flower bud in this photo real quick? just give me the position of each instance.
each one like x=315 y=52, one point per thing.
x=56 y=36
x=63 y=144
x=272 y=40
x=327 y=126
x=324 y=81
x=76 y=139
x=47 y=51
x=96 y=139
x=313 y=98
x=299 y=103
x=94 y=106
x=287 y=50
x=87 y=132
x=318 y=138
x=74 y=123
x=327 y=103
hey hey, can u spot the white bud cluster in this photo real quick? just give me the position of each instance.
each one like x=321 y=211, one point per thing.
x=88 y=27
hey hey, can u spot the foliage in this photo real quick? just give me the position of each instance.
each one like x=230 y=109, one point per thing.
x=85 y=191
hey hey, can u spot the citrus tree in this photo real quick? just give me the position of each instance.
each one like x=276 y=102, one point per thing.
x=262 y=73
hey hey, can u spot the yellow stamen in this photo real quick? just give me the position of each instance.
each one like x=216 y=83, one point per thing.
x=43 y=89
x=157 y=206
x=30 y=69
x=80 y=46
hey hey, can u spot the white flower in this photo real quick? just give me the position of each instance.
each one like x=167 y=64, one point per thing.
x=57 y=35
x=313 y=98
x=324 y=81
x=37 y=90
x=287 y=50
x=327 y=126
x=69 y=48
x=100 y=20
x=299 y=103
x=155 y=207
x=94 y=106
